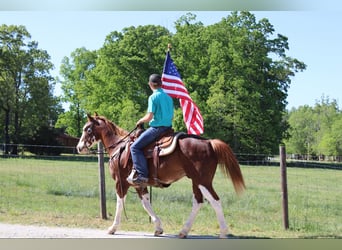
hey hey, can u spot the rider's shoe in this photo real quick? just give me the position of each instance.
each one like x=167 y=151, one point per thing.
x=140 y=181
x=137 y=181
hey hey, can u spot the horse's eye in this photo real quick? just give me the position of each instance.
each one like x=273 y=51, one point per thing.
x=89 y=130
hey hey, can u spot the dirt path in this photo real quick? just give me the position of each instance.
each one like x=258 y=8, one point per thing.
x=30 y=231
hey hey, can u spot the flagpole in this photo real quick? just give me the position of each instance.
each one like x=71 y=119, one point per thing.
x=169 y=47
x=174 y=87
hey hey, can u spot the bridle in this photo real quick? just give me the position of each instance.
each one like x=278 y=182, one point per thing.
x=114 y=145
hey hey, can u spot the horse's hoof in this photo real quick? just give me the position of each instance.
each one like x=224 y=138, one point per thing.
x=158 y=232
x=223 y=236
x=182 y=236
x=111 y=231
x=224 y=233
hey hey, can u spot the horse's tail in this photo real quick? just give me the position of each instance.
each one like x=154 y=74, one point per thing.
x=229 y=164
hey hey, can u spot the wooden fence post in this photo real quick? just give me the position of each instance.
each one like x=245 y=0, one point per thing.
x=102 y=182
x=282 y=153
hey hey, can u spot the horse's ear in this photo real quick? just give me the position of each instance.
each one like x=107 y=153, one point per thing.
x=92 y=119
x=95 y=114
x=89 y=117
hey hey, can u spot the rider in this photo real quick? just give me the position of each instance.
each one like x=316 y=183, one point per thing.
x=159 y=116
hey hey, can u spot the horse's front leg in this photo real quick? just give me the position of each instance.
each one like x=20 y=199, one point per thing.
x=117 y=219
x=145 y=201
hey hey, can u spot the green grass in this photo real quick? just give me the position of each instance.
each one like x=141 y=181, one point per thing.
x=66 y=193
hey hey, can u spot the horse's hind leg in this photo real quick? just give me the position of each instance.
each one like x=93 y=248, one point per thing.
x=187 y=226
x=145 y=201
x=216 y=204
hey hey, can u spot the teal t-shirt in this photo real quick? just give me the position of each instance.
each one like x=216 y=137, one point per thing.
x=161 y=105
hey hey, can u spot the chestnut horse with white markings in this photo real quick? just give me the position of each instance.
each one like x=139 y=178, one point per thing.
x=194 y=157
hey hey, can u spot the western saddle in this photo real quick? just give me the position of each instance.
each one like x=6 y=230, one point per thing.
x=164 y=145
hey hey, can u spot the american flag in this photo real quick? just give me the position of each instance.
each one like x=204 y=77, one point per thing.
x=174 y=87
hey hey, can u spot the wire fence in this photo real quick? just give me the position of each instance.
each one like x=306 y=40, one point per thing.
x=71 y=175
x=70 y=153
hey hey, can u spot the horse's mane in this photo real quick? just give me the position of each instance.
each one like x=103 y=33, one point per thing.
x=114 y=128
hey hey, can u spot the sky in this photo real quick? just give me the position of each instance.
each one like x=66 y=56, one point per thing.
x=314 y=37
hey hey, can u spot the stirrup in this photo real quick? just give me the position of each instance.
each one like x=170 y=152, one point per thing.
x=131 y=177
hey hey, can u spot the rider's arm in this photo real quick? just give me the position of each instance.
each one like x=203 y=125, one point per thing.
x=148 y=117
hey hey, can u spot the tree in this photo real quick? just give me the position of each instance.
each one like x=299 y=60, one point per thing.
x=236 y=71
x=315 y=130
x=117 y=87
x=74 y=70
x=191 y=56
x=247 y=83
x=26 y=99
x=326 y=113
x=302 y=131
x=332 y=142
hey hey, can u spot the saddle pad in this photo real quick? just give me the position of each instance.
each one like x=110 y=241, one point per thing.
x=168 y=150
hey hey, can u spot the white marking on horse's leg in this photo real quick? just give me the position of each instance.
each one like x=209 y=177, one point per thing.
x=145 y=201
x=187 y=226
x=216 y=204
x=117 y=219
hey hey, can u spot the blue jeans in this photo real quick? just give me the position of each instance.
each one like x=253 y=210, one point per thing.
x=137 y=148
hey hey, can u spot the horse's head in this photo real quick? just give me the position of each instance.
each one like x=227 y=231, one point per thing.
x=90 y=134
x=98 y=128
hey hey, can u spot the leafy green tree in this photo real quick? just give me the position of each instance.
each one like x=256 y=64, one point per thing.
x=326 y=113
x=191 y=56
x=332 y=142
x=74 y=71
x=129 y=114
x=302 y=131
x=315 y=130
x=121 y=74
x=26 y=99
x=240 y=76
x=236 y=71
x=256 y=84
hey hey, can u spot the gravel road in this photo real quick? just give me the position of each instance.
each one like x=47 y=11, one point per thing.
x=30 y=231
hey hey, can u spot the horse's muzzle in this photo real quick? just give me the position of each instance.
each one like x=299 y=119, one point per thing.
x=82 y=148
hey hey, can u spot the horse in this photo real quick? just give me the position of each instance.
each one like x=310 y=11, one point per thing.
x=194 y=157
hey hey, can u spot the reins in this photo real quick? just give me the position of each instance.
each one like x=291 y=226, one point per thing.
x=122 y=140
x=114 y=145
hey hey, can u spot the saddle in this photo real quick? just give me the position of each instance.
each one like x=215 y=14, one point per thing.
x=164 y=145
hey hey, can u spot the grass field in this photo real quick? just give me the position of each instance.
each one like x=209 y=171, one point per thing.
x=66 y=193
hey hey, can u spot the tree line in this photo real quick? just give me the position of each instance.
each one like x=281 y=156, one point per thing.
x=27 y=103
x=316 y=131
x=237 y=71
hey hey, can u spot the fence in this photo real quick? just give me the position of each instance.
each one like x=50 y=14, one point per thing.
x=60 y=152
x=73 y=180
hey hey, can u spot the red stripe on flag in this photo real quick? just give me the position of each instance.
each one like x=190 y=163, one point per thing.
x=174 y=86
